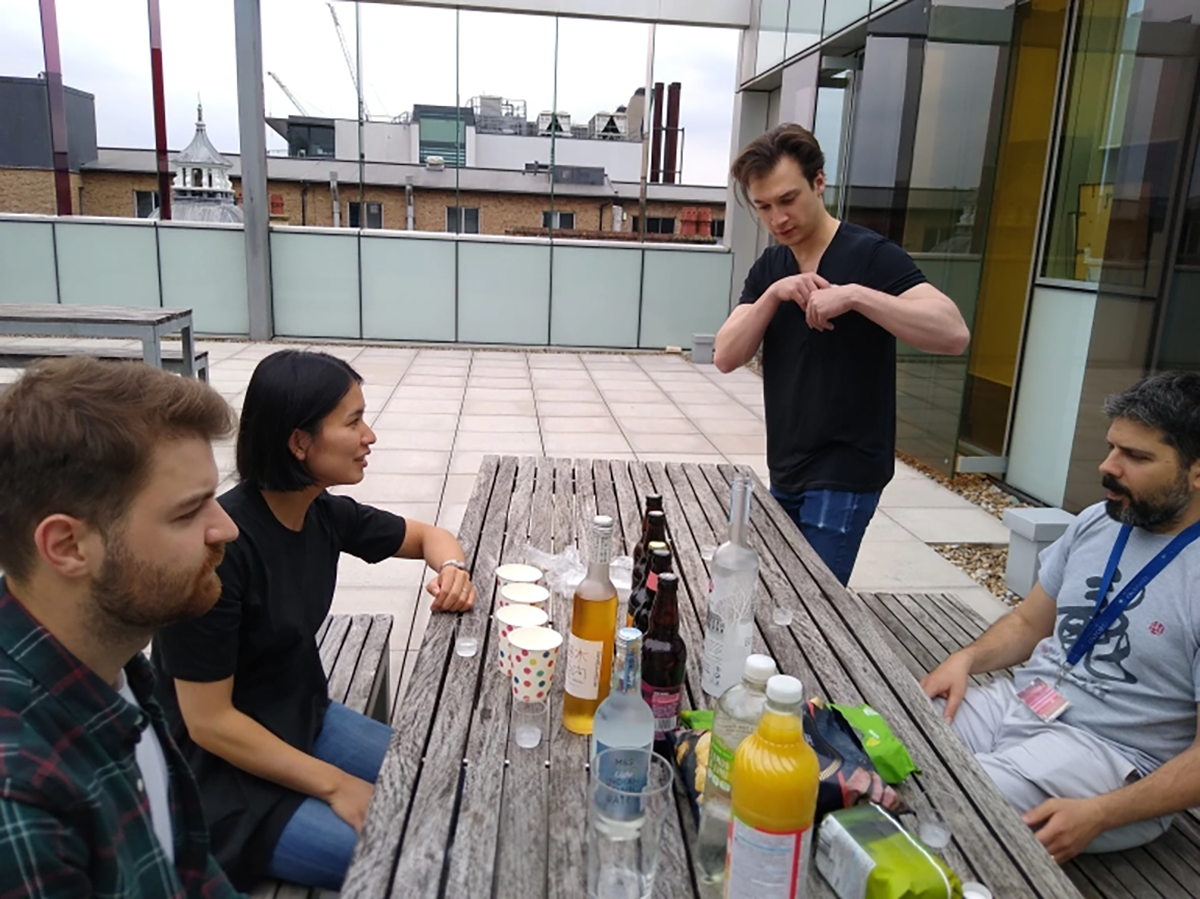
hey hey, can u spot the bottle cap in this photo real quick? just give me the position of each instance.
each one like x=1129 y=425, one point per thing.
x=656 y=515
x=760 y=668
x=627 y=636
x=603 y=521
x=667 y=578
x=785 y=690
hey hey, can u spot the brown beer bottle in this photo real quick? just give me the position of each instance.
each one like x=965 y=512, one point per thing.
x=641 y=600
x=664 y=658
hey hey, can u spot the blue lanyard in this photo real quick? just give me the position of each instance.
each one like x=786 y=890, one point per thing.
x=1104 y=616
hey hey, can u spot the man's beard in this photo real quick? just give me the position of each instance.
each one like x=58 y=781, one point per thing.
x=136 y=596
x=1155 y=512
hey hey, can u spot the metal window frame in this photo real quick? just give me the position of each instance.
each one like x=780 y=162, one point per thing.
x=1046 y=206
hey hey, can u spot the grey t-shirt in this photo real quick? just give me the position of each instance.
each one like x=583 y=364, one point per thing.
x=1138 y=687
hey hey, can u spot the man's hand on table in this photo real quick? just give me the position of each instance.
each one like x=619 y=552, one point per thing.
x=1066 y=826
x=949 y=681
x=350 y=799
x=452 y=590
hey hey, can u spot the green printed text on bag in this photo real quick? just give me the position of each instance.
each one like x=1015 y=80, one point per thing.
x=891 y=759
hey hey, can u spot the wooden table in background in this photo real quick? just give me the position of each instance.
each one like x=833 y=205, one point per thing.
x=461 y=812
x=147 y=325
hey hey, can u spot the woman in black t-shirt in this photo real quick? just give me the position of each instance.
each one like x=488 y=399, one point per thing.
x=285 y=774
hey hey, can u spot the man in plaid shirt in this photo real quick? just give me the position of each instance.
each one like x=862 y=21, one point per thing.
x=109 y=530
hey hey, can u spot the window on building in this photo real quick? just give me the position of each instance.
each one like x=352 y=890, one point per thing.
x=462 y=219
x=442 y=131
x=310 y=140
x=718 y=228
x=144 y=203
x=564 y=221
x=374 y=215
x=655 y=224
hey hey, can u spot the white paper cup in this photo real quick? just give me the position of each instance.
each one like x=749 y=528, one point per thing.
x=534 y=660
x=533 y=595
x=515 y=573
x=508 y=619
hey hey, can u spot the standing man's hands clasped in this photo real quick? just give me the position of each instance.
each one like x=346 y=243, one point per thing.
x=821 y=301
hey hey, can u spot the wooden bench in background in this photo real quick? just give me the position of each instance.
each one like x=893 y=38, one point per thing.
x=15 y=352
x=354 y=651
x=924 y=628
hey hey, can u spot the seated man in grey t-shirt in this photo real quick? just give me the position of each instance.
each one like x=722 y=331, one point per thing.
x=1110 y=771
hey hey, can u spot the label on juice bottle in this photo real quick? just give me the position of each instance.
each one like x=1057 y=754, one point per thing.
x=664 y=703
x=841 y=860
x=583 y=667
x=720 y=764
x=765 y=865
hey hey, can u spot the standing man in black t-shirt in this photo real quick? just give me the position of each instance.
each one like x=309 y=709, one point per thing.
x=827 y=304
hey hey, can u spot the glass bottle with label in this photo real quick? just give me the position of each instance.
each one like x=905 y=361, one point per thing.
x=735 y=718
x=623 y=720
x=641 y=600
x=593 y=627
x=729 y=624
x=775 y=777
x=664 y=658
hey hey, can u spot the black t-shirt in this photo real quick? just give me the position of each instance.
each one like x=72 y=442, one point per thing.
x=276 y=589
x=830 y=396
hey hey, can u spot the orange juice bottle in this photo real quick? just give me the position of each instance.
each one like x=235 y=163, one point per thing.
x=775 y=780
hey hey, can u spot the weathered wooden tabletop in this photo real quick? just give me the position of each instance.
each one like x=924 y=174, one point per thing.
x=461 y=811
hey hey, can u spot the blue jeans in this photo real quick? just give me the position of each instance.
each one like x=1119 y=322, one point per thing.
x=315 y=846
x=833 y=522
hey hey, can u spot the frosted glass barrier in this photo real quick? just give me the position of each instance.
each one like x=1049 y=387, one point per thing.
x=314 y=284
x=595 y=297
x=407 y=288
x=204 y=269
x=107 y=264
x=1056 y=354
x=684 y=292
x=503 y=292
x=27 y=262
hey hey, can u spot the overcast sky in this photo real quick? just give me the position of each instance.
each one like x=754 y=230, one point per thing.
x=408 y=57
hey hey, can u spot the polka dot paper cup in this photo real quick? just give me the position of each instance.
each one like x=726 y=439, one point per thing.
x=524 y=595
x=508 y=619
x=534 y=660
x=516 y=573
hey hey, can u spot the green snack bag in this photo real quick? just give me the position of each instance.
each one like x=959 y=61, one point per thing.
x=891 y=759
x=864 y=853
x=699 y=719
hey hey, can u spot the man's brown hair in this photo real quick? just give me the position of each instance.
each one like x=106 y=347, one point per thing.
x=762 y=154
x=77 y=437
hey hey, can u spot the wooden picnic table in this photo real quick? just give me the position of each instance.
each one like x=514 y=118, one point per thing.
x=148 y=325
x=461 y=811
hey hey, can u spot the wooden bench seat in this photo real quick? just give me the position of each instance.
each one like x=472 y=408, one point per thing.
x=924 y=628
x=354 y=651
x=14 y=352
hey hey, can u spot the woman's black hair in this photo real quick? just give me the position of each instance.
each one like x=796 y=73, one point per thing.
x=290 y=390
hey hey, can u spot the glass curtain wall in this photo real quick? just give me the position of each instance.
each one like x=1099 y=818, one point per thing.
x=1013 y=222
x=1121 y=195
x=927 y=117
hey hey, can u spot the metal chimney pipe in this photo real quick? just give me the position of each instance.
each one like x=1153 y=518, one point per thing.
x=56 y=102
x=671 y=148
x=656 y=133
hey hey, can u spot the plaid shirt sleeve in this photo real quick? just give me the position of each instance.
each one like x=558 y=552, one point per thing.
x=40 y=857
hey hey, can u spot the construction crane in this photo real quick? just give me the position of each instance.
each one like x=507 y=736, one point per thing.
x=349 y=62
x=283 y=87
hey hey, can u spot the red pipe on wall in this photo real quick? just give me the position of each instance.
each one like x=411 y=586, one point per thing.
x=160 y=112
x=58 y=107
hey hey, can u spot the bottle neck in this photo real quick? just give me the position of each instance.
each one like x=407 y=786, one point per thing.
x=739 y=512
x=754 y=686
x=600 y=553
x=627 y=669
x=664 y=616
